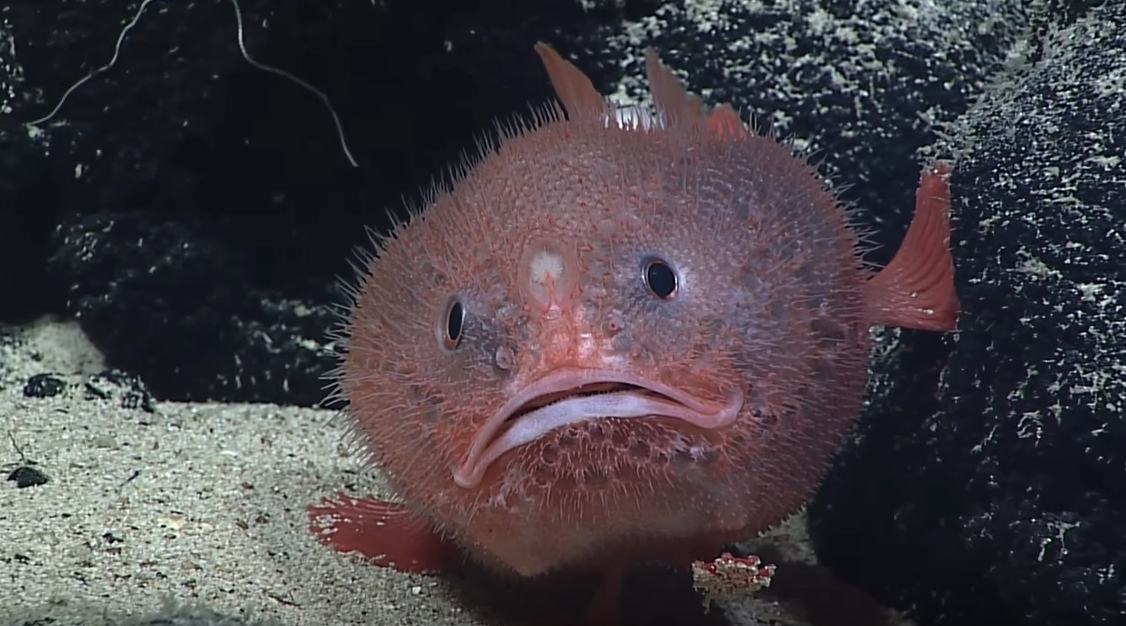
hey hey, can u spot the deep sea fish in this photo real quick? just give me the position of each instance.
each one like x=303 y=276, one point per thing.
x=617 y=338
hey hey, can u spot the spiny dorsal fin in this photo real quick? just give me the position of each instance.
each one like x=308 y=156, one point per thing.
x=573 y=88
x=674 y=104
x=724 y=121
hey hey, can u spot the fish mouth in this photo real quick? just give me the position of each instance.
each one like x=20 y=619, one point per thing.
x=573 y=395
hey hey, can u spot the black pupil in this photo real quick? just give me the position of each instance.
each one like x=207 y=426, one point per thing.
x=660 y=279
x=454 y=321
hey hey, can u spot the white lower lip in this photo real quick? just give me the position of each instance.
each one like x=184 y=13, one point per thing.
x=649 y=399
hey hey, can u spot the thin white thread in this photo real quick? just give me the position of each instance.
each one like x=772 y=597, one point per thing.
x=284 y=74
x=245 y=55
x=81 y=81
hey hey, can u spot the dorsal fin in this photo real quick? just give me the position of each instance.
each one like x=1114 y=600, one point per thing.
x=724 y=121
x=678 y=107
x=674 y=104
x=573 y=88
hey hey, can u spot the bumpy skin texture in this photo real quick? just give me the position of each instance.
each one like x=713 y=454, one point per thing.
x=771 y=301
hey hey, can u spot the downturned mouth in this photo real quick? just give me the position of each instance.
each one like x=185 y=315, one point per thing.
x=573 y=395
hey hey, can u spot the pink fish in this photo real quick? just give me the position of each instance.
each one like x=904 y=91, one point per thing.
x=617 y=339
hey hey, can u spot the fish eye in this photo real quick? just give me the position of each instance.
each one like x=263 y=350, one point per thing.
x=451 y=323
x=660 y=279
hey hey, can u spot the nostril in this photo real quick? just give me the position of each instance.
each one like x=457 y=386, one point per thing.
x=613 y=324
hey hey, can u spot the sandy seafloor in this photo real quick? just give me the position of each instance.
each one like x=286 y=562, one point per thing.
x=160 y=517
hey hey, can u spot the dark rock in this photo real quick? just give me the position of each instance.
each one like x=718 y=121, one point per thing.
x=168 y=300
x=43 y=386
x=26 y=476
x=25 y=473
x=999 y=499
x=25 y=193
x=128 y=389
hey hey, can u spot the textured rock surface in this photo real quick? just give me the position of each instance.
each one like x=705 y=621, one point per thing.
x=171 y=301
x=1006 y=500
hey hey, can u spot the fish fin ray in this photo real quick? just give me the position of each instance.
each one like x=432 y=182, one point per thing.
x=916 y=289
x=724 y=121
x=386 y=533
x=572 y=86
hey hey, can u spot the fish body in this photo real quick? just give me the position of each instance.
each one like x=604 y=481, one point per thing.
x=617 y=339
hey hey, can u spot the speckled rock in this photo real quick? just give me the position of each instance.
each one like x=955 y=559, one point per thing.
x=165 y=298
x=1000 y=499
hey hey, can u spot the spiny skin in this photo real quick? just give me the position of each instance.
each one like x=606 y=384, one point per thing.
x=772 y=301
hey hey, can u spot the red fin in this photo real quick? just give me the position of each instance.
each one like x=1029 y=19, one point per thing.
x=673 y=102
x=384 y=532
x=677 y=106
x=574 y=89
x=724 y=121
x=916 y=289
